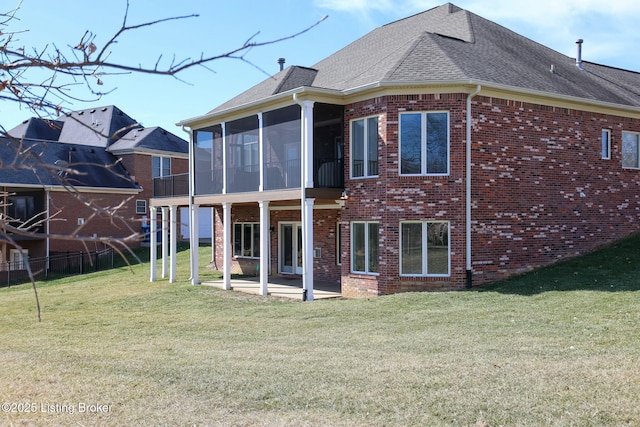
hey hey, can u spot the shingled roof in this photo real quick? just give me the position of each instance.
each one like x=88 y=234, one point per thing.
x=104 y=127
x=450 y=44
x=47 y=163
x=154 y=139
x=88 y=141
x=98 y=127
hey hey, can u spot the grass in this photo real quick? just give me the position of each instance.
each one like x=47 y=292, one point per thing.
x=557 y=347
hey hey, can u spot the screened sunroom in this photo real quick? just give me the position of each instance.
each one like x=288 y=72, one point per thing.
x=264 y=152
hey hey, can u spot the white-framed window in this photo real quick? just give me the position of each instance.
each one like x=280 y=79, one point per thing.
x=631 y=150
x=18 y=259
x=160 y=166
x=364 y=247
x=424 y=248
x=606 y=144
x=424 y=143
x=141 y=207
x=246 y=239
x=364 y=147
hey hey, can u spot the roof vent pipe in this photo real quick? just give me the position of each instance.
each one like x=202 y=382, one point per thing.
x=281 y=62
x=579 y=55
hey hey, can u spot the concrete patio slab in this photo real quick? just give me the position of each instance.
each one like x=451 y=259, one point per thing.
x=281 y=287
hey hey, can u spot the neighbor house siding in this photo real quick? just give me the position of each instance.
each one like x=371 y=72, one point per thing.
x=120 y=225
x=139 y=167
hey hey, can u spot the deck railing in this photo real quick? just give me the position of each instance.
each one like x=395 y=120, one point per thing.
x=171 y=186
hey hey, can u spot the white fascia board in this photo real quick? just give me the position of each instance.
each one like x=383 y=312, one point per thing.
x=497 y=90
x=102 y=190
x=150 y=152
x=434 y=86
x=61 y=188
x=284 y=98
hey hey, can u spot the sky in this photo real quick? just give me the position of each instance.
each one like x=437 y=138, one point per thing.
x=609 y=30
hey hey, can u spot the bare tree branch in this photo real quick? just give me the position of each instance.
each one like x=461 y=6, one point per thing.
x=84 y=66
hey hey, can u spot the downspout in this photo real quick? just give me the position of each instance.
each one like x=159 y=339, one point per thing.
x=469 y=270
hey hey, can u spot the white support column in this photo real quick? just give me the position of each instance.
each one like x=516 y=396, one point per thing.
x=213 y=234
x=307 y=144
x=173 y=236
x=264 y=247
x=153 y=242
x=261 y=164
x=194 y=209
x=224 y=158
x=165 y=240
x=226 y=245
x=194 y=242
x=307 y=249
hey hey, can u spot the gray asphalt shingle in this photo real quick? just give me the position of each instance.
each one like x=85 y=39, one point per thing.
x=448 y=43
x=43 y=163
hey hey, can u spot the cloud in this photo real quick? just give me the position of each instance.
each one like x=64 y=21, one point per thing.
x=356 y=6
x=609 y=28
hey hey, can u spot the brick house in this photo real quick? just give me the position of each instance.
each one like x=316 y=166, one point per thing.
x=116 y=159
x=438 y=152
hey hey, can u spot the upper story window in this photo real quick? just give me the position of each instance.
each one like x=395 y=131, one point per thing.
x=424 y=143
x=630 y=150
x=160 y=166
x=606 y=144
x=21 y=208
x=364 y=147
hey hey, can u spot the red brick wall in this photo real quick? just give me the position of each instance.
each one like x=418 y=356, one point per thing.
x=389 y=198
x=139 y=167
x=530 y=165
x=103 y=225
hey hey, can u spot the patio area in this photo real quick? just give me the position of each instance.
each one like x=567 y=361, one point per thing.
x=281 y=286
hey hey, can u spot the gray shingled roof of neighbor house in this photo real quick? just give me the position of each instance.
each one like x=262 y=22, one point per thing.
x=98 y=127
x=47 y=163
x=86 y=140
x=103 y=127
x=450 y=44
x=152 y=139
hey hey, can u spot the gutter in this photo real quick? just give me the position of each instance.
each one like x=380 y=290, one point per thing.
x=343 y=96
x=469 y=270
x=239 y=110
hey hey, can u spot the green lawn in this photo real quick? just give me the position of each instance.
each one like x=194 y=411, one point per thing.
x=557 y=347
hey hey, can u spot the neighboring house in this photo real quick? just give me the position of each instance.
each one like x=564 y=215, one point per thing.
x=436 y=152
x=116 y=160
